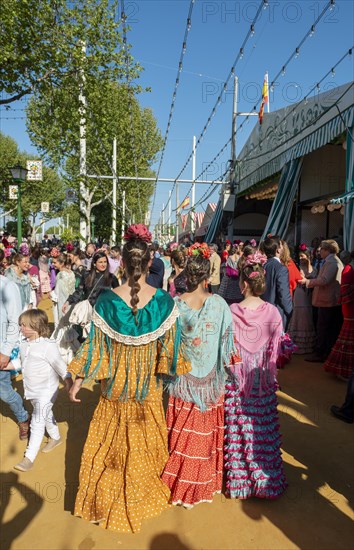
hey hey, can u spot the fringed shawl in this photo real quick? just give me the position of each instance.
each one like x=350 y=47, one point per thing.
x=209 y=346
x=116 y=342
x=258 y=333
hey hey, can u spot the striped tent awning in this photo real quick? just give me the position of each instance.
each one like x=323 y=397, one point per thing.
x=344 y=199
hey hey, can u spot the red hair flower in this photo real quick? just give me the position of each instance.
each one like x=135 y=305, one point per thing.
x=138 y=231
x=302 y=247
x=199 y=249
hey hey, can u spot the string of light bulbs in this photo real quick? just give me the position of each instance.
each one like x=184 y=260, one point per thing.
x=263 y=5
x=174 y=95
x=294 y=55
x=250 y=33
x=317 y=86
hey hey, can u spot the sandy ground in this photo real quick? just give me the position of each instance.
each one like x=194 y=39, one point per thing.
x=314 y=513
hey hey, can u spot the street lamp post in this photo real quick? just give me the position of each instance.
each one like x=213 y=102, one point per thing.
x=92 y=219
x=19 y=176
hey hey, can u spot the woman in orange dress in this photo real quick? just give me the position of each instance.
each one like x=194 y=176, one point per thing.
x=134 y=338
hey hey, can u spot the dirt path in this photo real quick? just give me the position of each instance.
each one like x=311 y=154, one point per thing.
x=314 y=513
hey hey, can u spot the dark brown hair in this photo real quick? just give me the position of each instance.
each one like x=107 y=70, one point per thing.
x=197 y=270
x=257 y=283
x=136 y=257
x=37 y=320
x=179 y=257
x=91 y=277
x=270 y=246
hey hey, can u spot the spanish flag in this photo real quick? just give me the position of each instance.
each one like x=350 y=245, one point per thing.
x=185 y=203
x=265 y=98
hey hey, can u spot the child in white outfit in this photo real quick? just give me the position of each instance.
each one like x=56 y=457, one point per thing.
x=41 y=365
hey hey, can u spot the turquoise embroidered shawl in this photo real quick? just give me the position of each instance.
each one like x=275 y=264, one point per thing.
x=209 y=345
x=113 y=320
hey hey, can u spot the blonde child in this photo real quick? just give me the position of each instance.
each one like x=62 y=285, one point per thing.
x=42 y=365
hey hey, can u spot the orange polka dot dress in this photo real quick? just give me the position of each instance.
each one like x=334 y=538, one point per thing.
x=126 y=447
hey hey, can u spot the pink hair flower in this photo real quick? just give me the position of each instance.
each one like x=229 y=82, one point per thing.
x=254 y=275
x=256 y=258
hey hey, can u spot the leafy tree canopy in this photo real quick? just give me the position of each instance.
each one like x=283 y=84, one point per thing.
x=41 y=44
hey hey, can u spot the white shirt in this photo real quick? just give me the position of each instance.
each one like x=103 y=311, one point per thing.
x=42 y=365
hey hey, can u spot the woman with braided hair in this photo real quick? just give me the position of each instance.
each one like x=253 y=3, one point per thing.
x=253 y=462
x=134 y=338
x=195 y=415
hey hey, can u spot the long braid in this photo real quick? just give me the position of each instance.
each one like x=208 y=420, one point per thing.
x=136 y=257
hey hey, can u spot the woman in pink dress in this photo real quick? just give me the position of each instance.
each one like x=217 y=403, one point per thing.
x=253 y=463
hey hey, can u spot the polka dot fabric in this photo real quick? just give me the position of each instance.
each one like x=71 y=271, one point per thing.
x=126 y=447
x=194 y=470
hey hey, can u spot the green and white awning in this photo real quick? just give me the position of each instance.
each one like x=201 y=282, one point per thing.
x=293 y=132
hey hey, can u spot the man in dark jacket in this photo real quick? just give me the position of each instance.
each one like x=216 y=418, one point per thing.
x=156 y=270
x=277 y=280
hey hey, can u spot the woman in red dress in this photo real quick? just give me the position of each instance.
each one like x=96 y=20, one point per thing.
x=341 y=359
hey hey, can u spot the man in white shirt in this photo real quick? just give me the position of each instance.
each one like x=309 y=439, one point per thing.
x=10 y=310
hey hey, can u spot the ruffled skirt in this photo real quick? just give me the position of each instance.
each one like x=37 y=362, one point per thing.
x=123 y=459
x=341 y=359
x=253 y=463
x=194 y=470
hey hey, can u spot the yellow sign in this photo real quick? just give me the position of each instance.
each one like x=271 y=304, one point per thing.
x=13 y=192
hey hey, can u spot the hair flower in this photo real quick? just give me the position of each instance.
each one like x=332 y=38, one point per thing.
x=24 y=250
x=253 y=275
x=138 y=231
x=302 y=247
x=256 y=258
x=199 y=249
x=253 y=243
x=55 y=252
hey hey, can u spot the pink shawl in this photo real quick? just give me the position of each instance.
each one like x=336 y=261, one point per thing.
x=257 y=333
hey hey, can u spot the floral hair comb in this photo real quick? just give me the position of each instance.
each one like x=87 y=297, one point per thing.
x=256 y=258
x=138 y=231
x=199 y=249
x=302 y=247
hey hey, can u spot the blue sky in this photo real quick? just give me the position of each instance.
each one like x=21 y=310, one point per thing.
x=217 y=32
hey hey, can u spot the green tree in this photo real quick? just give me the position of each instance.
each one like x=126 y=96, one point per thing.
x=51 y=189
x=41 y=44
x=113 y=111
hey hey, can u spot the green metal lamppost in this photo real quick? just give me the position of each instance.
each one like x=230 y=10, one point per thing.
x=92 y=219
x=19 y=176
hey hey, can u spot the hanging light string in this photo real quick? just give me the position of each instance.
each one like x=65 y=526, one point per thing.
x=305 y=99
x=295 y=53
x=174 y=95
x=130 y=105
x=239 y=56
x=263 y=5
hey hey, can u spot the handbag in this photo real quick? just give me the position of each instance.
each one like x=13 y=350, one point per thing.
x=82 y=312
x=231 y=272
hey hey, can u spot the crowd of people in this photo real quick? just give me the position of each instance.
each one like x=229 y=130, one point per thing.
x=210 y=327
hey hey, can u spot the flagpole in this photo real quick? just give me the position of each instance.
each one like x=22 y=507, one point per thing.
x=266 y=79
x=193 y=184
x=177 y=212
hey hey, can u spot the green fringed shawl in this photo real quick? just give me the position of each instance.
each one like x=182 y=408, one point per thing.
x=208 y=342
x=113 y=321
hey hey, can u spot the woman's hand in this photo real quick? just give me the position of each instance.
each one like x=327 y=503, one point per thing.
x=65 y=307
x=75 y=389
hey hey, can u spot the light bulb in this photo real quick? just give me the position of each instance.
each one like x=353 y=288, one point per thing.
x=241 y=53
x=283 y=71
x=312 y=32
x=189 y=24
x=297 y=53
x=332 y=5
x=252 y=30
x=272 y=88
x=180 y=66
x=306 y=100
x=265 y=4
x=333 y=73
x=317 y=87
x=184 y=47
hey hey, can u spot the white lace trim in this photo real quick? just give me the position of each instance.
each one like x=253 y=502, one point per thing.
x=100 y=323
